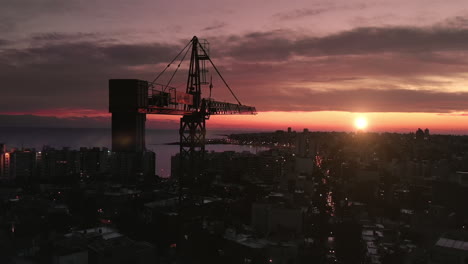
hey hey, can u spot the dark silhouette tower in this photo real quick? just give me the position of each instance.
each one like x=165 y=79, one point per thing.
x=126 y=96
x=131 y=162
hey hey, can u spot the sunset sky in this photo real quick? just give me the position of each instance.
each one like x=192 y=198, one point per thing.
x=308 y=64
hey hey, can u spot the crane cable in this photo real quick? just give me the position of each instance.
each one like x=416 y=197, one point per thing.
x=173 y=74
x=216 y=69
x=211 y=86
x=161 y=73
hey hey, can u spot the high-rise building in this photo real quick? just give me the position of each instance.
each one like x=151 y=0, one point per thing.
x=133 y=167
x=4 y=162
x=59 y=165
x=131 y=162
x=22 y=165
x=126 y=96
x=305 y=147
x=94 y=161
x=270 y=217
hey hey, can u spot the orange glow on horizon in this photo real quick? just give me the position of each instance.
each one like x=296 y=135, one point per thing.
x=445 y=123
x=455 y=123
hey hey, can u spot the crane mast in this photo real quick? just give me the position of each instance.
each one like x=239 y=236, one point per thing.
x=192 y=131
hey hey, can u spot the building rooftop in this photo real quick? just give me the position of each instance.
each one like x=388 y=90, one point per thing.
x=451 y=243
x=111 y=243
x=95 y=230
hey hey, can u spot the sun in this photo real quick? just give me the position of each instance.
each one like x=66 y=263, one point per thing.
x=360 y=123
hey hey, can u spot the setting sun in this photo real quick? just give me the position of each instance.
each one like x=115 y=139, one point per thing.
x=360 y=123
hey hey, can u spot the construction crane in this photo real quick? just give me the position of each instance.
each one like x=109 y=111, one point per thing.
x=163 y=99
x=195 y=109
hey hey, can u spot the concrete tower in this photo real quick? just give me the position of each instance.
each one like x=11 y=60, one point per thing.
x=126 y=96
x=131 y=162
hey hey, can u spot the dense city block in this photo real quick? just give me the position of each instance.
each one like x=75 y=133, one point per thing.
x=312 y=197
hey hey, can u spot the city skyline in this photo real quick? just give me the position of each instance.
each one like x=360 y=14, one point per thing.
x=237 y=132
x=309 y=65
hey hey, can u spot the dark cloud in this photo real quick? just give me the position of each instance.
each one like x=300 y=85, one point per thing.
x=56 y=36
x=215 y=25
x=379 y=40
x=90 y=52
x=300 y=13
x=361 y=41
x=137 y=54
x=318 y=9
x=261 y=46
x=378 y=20
x=4 y=42
x=454 y=22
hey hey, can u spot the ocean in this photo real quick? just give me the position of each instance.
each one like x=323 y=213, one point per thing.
x=156 y=140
